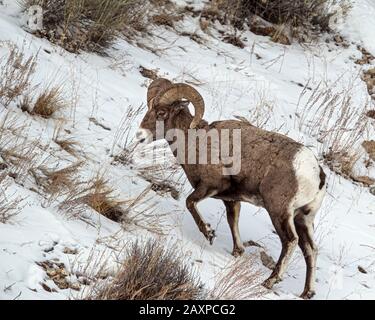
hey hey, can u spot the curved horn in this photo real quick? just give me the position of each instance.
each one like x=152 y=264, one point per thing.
x=183 y=91
x=155 y=87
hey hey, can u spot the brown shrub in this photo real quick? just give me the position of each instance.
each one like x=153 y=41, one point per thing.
x=240 y=281
x=48 y=102
x=307 y=14
x=151 y=271
x=56 y=183
x=97 y=195
x=9 y=205
x=16 y=71
x=89 y=25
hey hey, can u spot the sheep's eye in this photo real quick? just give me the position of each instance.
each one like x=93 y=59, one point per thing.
x=162 y=115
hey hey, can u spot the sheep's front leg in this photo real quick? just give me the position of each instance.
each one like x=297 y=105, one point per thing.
x=198 y=195
x=233 y=215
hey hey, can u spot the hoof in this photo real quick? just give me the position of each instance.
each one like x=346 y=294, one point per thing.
x=238 y=252
x=270 y=282
x=209 y=233
x=308 y=294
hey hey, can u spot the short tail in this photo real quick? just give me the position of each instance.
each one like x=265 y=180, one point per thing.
x=322 y=176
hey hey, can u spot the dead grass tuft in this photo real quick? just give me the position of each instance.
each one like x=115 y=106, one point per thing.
x=240 y=281
x=99 y=196
x=151 y=271
x=49 y=102
x=9 y=204
x=89 y=25
x=56 y=183
x=300 y=17
x=337 y=123
x=16 y=71
x=69 y=145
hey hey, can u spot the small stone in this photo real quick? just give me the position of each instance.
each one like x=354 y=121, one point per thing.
x=362 y=270
x=252 y=243
x=70 y=251
x=338 y=39
x=75 y=286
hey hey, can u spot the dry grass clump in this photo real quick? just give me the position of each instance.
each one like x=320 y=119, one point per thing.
x=241 y=280
x=89 y=25
x=56 y=182
x=151 y=271
x=338 y=124
x=124 y=135
x=16 y=71
x=297 y=15
x=48 y=102
x=17 y=151
x=97 y=195
x=69 y=145
x=9 y=205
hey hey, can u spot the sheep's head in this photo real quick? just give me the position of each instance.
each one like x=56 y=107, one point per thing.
x=165 y=102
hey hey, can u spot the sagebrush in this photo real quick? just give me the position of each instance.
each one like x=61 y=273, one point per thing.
x=151 y=271
x=301 y=14
x=89 y=25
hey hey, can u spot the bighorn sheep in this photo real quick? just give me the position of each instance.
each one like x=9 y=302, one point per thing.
x=277 y=173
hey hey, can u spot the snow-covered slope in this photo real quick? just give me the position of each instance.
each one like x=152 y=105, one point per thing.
x=233 y=81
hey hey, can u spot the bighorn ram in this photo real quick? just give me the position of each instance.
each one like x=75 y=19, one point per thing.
x=276 y=173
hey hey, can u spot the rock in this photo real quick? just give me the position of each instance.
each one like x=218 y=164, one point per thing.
x=70 y=251
x=75 y=286
x=267 y=261
x=362 y=270
x=148 y=73
x=252 y=243
x=338 y=39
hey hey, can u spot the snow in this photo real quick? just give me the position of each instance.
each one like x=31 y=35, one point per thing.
x=360 y=24
x=233 y=82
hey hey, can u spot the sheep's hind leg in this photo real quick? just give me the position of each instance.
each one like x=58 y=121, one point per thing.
x=192 y=200
x=233 y=215
x=286 y=230
x=304 y=227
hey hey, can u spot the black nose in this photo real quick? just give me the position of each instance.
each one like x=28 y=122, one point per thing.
x=142 y=140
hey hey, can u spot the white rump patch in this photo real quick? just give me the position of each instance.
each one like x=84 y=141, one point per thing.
x=307 y=172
